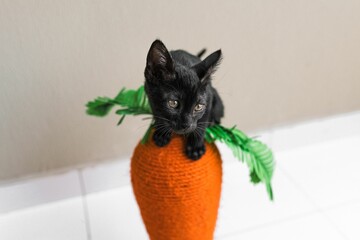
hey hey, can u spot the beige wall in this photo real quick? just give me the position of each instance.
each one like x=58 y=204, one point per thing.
x=284 y=61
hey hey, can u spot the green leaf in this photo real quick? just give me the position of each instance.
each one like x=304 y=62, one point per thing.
x=121 y=119
x=134 y=102
x=100 y=107
x=254 y=177
x=257 y=155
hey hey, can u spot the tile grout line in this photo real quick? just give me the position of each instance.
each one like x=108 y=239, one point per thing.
x=289 y=218
x=320 y=210
x=85 y=205
x=270 y=224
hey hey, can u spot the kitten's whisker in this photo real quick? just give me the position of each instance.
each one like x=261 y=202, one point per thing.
x=201 y=128
x=161 y=118
x=198 y=133
x=169 y=131
x=184 y=136
x=160 y=124
x=164 y=131
x=147 y=118
x=195 y=134
x=161 y=128
x=205 y=123
x=145 y=125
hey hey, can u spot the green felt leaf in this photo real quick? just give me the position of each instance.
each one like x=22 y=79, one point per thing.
x=261 y=162
x=121 y=119
x=133 y=102
x=100 y=107
x=255 y=154
x=254 y=177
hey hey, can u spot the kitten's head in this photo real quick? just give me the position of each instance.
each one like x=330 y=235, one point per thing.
x=179 y=95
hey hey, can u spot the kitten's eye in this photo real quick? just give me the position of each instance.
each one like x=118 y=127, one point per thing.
x=199 y=107
x=173 y=103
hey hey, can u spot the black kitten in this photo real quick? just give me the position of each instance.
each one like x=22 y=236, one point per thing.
x=181 y=96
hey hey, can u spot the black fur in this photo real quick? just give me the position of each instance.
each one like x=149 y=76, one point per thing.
x=182 y=77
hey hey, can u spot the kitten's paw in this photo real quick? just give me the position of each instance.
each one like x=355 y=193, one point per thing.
x=195 y=152
x=161 y=139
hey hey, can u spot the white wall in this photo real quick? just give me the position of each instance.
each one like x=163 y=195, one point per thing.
x=284 y=61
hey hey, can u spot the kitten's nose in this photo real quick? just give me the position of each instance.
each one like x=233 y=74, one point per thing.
x=183 y=128
x=185 y=125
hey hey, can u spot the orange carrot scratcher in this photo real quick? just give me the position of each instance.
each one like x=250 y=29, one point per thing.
x=178 y=197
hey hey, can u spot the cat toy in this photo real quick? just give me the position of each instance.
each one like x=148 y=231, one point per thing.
x=179 y=198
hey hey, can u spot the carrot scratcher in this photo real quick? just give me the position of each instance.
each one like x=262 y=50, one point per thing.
x=178 y=197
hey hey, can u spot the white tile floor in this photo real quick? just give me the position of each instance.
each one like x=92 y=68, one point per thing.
x=316 y=185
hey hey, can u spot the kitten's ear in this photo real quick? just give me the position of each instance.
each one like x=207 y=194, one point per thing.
x=159 y=64
x=208 y=66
